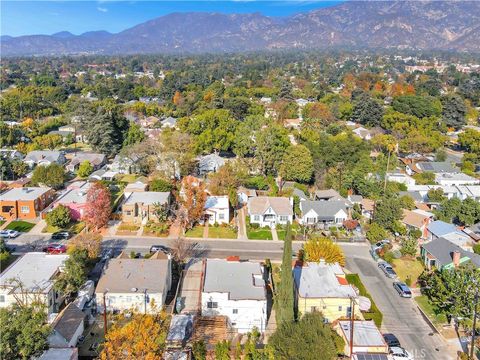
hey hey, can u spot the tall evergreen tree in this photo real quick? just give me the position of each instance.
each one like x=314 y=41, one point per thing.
x=284 y=298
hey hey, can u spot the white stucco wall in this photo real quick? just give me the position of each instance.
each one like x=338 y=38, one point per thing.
x=131 y=301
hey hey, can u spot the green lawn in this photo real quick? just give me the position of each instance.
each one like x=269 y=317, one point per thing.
x=408 y=268
x=259 y=234
x=19 y=225
x=221 y=232
x=435 y=317
x=281 y=234
x=374 y=313
x=74 y=227
x=2 y=222
x=196 y=232
x=129 y=178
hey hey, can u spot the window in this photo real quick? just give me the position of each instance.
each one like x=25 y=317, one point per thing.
x=2 y=298
x=340 y=308
x=235 y=311
x=221 y=216
x=324 y=307
x=24 y=209
x=128 y=213
x=212 y=305
x=256 y=217
x=283 y=218
x=313 y=309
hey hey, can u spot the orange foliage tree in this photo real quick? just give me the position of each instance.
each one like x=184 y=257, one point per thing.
x=193 y=200
x=98 y=209
x=87 y=241
x=143 y=337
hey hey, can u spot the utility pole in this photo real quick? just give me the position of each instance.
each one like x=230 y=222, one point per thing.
x=352 y=322
x=472 y=345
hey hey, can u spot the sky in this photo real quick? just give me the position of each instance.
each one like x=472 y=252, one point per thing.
x=48 y=17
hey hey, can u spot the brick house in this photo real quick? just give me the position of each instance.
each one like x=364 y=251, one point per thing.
x=139 y=207
x=25 y=203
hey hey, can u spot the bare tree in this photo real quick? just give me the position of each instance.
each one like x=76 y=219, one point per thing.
x=183 y=250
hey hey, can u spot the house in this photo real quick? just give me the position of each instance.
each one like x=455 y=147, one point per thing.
x=236 y=290
x=169 y=122
x=368 y=207
x=95 y=159
x=448 y=179
x=67 y=327
x=103 y=174
x=400 y=178
x=10 y=154
x=300 y=193
x=149 y=122
x=77 y=133
x=438 y=229
x=324 y=213
x=245 y=194
x=123 y=165
x=270 y=211
x=140 y=207
x=137 y=186
x=25 y=202
x=135 y=284
x=74 y=198
x=217 y=210
x=444 y=254
x=417 y=220
x=367 y=339
x=473 y=231
x=437 y=167
x=323 y=287
x=30 y=278
x=327 y=195
x=60 y=354
x=468 y=191
x=44 y=158
x=209 y=163
x=362 y=133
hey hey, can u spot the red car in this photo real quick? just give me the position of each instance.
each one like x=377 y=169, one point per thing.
x=55 y=249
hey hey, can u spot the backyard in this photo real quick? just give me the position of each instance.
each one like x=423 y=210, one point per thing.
x=19 y=225
x=221 y=232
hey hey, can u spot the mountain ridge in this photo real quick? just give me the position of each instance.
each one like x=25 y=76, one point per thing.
x=430 y=25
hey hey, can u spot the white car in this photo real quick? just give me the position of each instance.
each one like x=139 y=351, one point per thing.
x=399 y=353
x=9 y=233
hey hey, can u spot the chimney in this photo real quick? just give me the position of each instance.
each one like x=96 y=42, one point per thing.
x=456 y=258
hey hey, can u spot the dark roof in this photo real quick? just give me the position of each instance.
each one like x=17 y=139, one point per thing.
x=437 y=167
x=371 y=356
x=325 y=210
x=68 y=321
x=415 y=195
x=442 y=249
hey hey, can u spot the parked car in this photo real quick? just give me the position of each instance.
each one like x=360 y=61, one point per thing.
x=162 y=248
x=387 y=269
x=391 y=340
x=402 y=289
x=399 y=353
x=377 y=246
x=55 y=249
x=9 y=233
x=61 y=235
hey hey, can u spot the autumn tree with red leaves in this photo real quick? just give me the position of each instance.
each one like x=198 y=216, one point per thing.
x=98 y=209
x=193 y=198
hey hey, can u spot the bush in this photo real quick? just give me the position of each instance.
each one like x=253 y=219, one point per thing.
x=476 y=248
x=254 y=226
x=257 y=182
x=160 y=185
x=376 y=233
x=389 y=256
x=374 y=313
x=128 y=227
x=85 y=169
x=59 y=217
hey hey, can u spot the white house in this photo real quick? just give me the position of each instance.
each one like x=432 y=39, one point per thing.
x=217 y=210
x=400 y=178
x=138 y=284
x=457 y=179
x=31 y=278
x=326 y=213
x=236 y=290
x=67 y=327
x=269 y=211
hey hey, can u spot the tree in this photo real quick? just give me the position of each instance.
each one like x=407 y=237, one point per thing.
x=52 y=175
x=89 y=241
x=193 y=200
x=284 y=292
x=142 y=337
x=161 y=211
x=59 y=217
x=454 y=111
x=375 y=233
x=272 y=142
x=367 y=111
x=469 y=212
x=387 y=212
x=425 y=178
x=470 y=140
x=318 y=248
x=134 y=135
x=24 y=331
x=199 y=350
x=229 y=177
x=308 y=339
x=160 y=185
x=409 y=246
x=419 y=106
x=74 y=274
x=85 y=169
x=436 y=195
x=98 y=207
x=297 y=164
x=407 y=202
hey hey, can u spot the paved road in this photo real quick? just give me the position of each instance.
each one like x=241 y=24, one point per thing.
x=400 y=316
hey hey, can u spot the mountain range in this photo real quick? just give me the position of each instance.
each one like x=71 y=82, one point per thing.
x=443 y=25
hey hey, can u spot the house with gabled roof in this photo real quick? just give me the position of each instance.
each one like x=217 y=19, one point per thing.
x=270 y=211
x=444 y=254
x=323 y=213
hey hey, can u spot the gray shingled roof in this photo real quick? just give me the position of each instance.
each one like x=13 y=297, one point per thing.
x=442 y=249
x=325 y=210
x=148 y=197
x=68 y=321
x=437 y=167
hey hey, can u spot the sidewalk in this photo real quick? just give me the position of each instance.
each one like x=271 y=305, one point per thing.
x=274 y=234
x=242 y=227
x=37 y=229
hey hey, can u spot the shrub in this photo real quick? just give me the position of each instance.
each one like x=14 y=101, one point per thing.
x=59 y=217
x=254 y=226
x=160 y=185
x=476 y=248
x=389 y=256
x=376 y=233
x=85 y=169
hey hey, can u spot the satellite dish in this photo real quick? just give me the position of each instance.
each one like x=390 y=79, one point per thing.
x=364 y=303
x=134 y=289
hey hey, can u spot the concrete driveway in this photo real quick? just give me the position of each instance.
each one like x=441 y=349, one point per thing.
x=400 y=316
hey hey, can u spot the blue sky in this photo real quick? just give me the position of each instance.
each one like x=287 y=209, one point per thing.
x=48 y=17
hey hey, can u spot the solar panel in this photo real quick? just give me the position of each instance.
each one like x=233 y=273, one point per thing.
x=371 y=356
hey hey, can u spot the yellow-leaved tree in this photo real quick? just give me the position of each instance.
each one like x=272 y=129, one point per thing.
x=143 y=337
x=323 y=248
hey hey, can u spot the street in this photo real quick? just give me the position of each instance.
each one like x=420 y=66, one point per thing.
x=400 y=316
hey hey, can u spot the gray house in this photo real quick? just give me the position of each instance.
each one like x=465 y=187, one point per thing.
x=44 y=157
x=209 y=163
x=95 y=159
x=323 y=213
